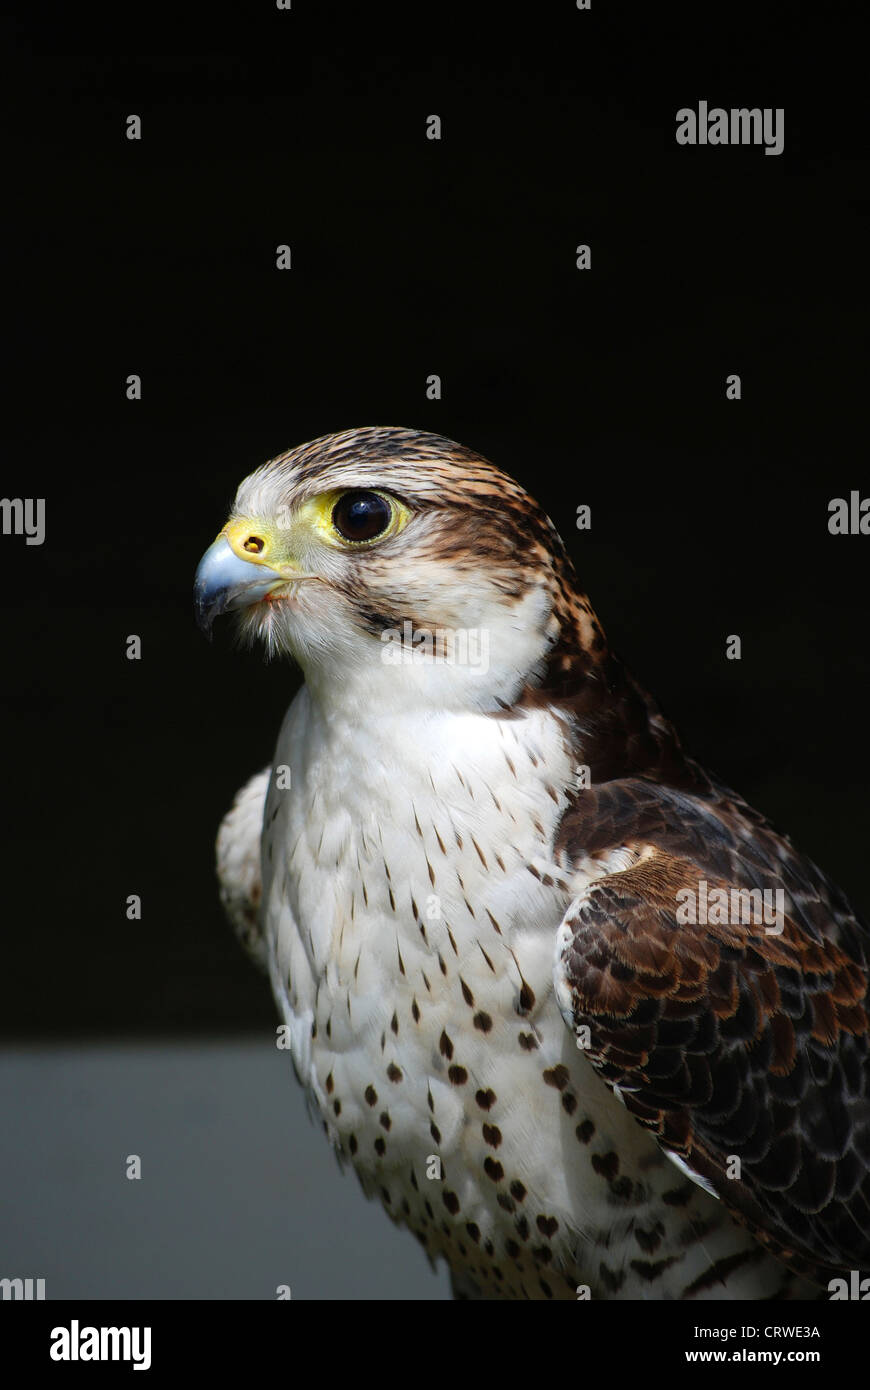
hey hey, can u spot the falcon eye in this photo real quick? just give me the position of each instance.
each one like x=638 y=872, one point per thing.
x=361 y=516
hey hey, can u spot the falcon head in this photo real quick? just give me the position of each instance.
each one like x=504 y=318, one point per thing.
x=393 y=563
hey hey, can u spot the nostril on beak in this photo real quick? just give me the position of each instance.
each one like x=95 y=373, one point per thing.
x=254 y=544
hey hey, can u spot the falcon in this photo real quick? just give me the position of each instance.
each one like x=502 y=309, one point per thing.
x=574 y=1012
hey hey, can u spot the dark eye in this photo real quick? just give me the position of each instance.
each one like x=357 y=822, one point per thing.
x=360 y=516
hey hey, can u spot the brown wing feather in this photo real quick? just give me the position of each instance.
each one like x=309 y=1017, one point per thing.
x=729 y=1041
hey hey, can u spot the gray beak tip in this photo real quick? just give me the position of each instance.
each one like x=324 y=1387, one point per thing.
x=203 y=621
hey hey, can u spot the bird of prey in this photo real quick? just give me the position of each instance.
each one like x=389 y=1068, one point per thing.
x=575 y=1012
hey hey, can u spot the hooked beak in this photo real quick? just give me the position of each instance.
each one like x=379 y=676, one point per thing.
x=225 y=582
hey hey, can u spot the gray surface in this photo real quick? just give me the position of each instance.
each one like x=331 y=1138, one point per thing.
x=239 y=1190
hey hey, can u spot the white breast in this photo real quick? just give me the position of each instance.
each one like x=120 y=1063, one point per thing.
x=426 y=822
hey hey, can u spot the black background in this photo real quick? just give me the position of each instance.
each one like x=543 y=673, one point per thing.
x=410 y=257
